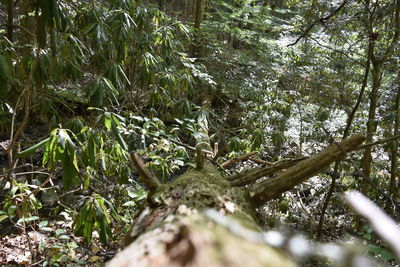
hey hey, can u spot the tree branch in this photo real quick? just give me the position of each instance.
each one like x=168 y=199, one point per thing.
x=238 y=159
x=379 y=142
x=275 y=186
x=253 y=175
x=320 y=20
x=149 y=180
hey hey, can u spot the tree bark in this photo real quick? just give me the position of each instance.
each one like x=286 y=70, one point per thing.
x=377 y=63
x=198 y=19
x=274 y=187
x=10 y=20
x=199 y=14
x=395 y=146
x=371 y=125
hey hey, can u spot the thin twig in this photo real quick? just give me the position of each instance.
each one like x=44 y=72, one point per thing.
x=238 y=159
x=320 y=20
x=151 y=181
x=32 y=172
x=36 y=190
x=379 y=142
x=70 y=192
x=27 y=94
x=28 y=239
x=262 y=162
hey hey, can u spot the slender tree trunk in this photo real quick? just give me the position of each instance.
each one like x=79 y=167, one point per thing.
x=346 y=132
x=199 y=13
x=10 y=20
x=371 y=125
x=395 y=146
x=198 y=19
x=185 y=10
x=377 y=63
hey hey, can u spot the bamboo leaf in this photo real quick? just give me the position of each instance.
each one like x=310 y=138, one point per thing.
x=33 y=148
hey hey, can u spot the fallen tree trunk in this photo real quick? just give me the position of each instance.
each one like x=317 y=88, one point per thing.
x=173 y=230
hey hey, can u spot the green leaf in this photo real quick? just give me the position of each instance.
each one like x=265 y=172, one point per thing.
x=75 y=160
x=384 y=253
x=118 y=135
x=80 y=219
x=107 y=120
x=88 y=231
x=70 y=167
x=29 y=219
x=62 y=138
x=43 y=223
x=59 y=232
x=92 y=149
x=257 y=139
x=33 y=148
x=101 y=219
x=114 y=212
x=129 y=204
x=97 y=94
x=67 y=170
x=3 y=217
x=50 y=151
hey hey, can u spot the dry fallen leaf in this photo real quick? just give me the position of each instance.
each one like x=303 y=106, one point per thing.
x=94 y=259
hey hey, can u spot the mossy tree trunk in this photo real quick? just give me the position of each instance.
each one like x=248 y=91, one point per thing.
x=175 y=228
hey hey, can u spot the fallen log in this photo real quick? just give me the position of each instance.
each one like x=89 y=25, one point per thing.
x=173 y=230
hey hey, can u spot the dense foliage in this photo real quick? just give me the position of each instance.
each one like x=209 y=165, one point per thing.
x=83 y=84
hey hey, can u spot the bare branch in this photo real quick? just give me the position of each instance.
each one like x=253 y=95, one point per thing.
x=238 y=159
x=253 y=175
x=150 y=181
x=320 y=20
x=379 y=142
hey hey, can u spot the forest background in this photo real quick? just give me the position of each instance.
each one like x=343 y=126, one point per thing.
x=83 y=84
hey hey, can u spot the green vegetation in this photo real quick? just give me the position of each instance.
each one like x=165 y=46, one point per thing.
x=85 y=84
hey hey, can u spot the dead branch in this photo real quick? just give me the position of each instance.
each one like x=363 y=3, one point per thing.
x=237 y=159
x=379 y=142
x=199 y=157
x=253 y=175
x=260 y=161
x=275 y=186
x=149 y=180
x=320 y=20
x=27 y=102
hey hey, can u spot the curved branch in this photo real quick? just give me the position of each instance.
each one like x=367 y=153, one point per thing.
x=147 y=178
x=275 y=186
x=320 y=20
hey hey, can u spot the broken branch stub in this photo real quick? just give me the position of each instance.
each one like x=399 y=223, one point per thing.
x=147 y=178
x=286 y=180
